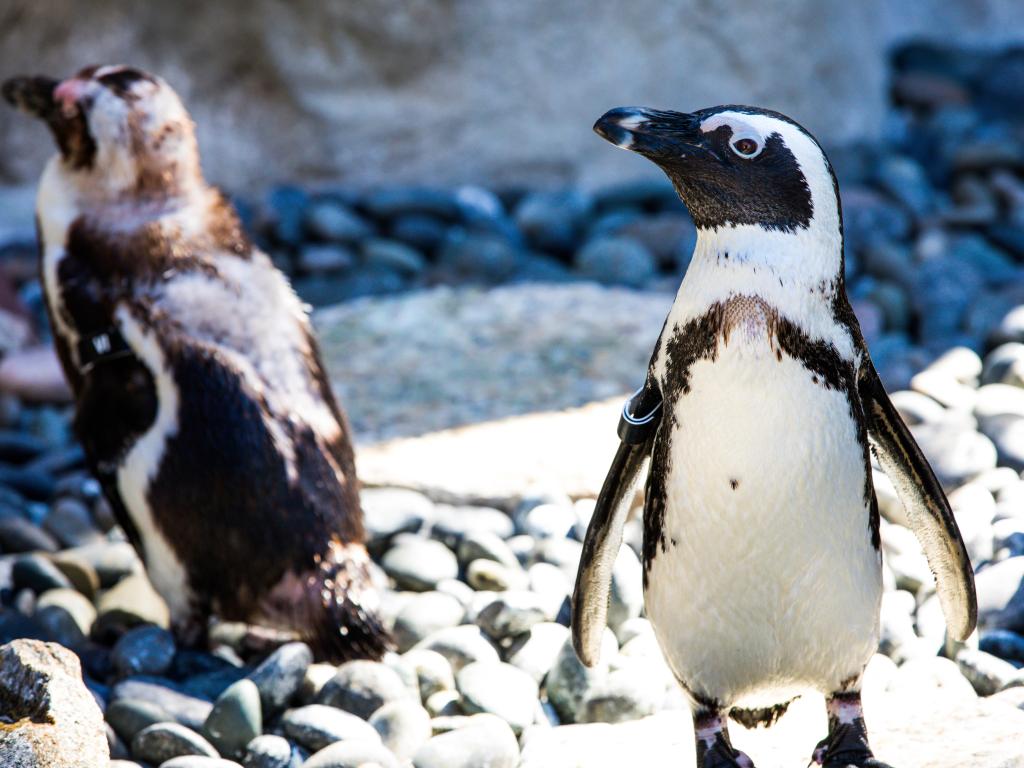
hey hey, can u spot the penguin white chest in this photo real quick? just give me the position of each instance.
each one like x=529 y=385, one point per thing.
x=768 y=581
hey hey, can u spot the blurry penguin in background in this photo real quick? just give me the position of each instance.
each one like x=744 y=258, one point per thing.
x=200 y=398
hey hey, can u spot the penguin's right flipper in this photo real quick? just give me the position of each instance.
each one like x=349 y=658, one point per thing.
x=927 y=508
x=604 y=534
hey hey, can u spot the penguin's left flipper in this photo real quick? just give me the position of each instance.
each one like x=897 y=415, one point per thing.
x=604 y=534
x=925 y=503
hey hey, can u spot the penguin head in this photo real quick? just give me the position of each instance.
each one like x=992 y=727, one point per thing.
x=734 y=166
x=121 y=129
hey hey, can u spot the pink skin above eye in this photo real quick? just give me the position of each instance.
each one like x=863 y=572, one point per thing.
x=67 y=95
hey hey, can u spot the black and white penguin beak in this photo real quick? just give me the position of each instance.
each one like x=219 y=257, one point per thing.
x=32 y=95
x=657 y=134
x=57 y=104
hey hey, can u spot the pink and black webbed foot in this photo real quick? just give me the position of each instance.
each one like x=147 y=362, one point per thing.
x=846 y=745
x=714 y=749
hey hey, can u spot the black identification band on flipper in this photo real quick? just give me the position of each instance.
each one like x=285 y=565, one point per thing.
x=101 y=347
x=639 y=419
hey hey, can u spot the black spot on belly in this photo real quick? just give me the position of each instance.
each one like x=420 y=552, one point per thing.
x=734 y=483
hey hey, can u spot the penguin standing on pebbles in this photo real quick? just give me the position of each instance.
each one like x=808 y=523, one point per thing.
x=762 y=567
x=200 y=398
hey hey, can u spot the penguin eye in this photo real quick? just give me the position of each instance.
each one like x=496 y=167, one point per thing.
x=745 y=147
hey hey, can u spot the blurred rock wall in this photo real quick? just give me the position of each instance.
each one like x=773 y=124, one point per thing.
x=496 y=91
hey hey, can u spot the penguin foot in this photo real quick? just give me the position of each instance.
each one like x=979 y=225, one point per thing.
x=848 y=754
x=723 y=755
x=846 y=745
x=714 y=749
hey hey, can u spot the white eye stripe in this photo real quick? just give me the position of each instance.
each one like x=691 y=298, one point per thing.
x=107 y=70
x=740 y=130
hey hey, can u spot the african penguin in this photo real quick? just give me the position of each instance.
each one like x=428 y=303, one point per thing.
x=200 y=398
x=761 y=558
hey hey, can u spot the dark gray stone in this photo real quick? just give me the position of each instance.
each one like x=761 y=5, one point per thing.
x=31 y=483
x=315 y=726
x=19 y=447
x=323 y=258
x=1004 y=365
x=77 y=606
x=1003 y=643
x=512 y=613
x=19 y=535
x=236 y=718
x=616 y=261
x=129 y=716
x=279 y=676
x=906 y=181
x=38 y=573
x=145 y=650
x=70 y=522
x=478 y=256
x=286 y=206
x=333 y=221
x=419 y=230
x=362 y=687
x=551 y=221
x=162 y=741
x=391 y=254
x=210 y=685
x=486 y=545
x=187 y=710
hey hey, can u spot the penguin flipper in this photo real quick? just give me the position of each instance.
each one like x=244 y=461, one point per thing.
x=600 y=548
x=925 y=503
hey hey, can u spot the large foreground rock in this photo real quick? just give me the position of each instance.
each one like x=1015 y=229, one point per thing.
x=50 y=718
x=961 y=734
x=563 y=453
x=446 y=357
x=534 y=373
